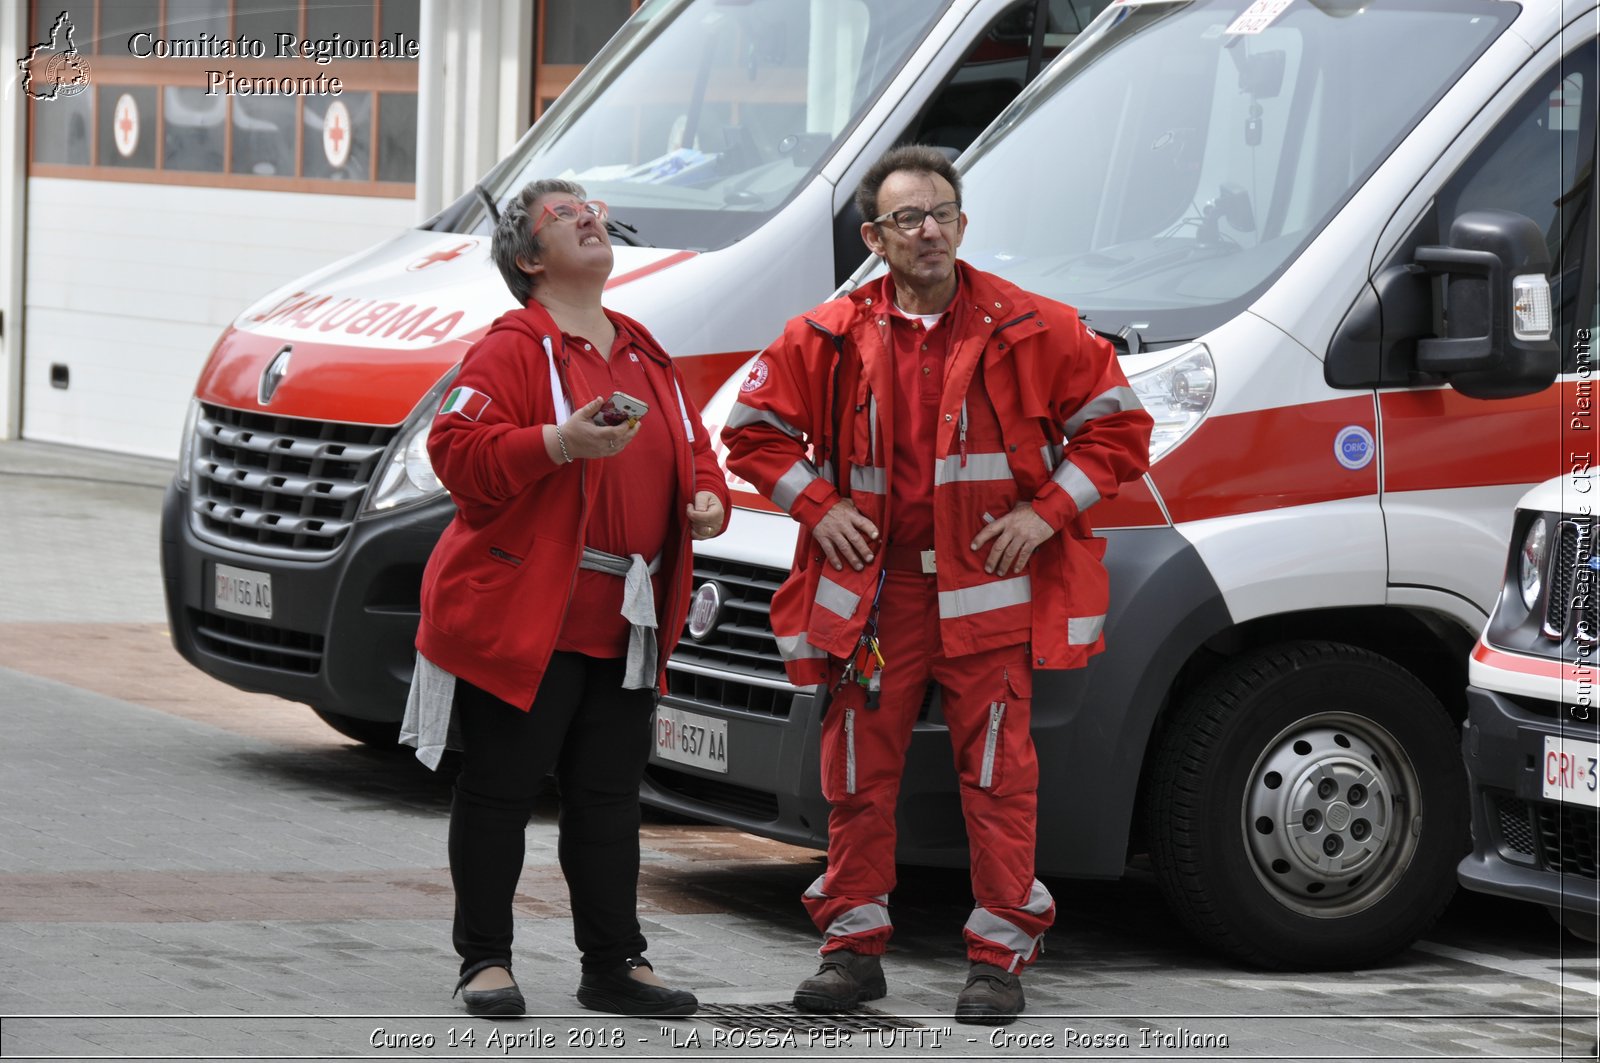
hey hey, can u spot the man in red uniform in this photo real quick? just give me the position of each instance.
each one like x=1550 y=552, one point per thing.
x=938 y=434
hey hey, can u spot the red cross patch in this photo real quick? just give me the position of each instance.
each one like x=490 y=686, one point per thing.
x=757 y=377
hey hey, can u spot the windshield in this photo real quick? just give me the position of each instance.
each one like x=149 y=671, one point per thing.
x=1169 y=165
x=702 y=117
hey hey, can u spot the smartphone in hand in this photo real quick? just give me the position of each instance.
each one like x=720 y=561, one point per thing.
x=621 y=407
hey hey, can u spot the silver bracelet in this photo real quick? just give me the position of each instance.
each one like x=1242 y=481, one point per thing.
x=565 y=453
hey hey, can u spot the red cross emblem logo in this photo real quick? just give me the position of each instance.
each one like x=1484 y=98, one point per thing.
x=445 y=255
x=125 y=125
x=757 y=377
x=336 y=134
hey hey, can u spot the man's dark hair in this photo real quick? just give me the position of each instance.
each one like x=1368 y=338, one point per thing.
x=513 y=235
x=914 y=158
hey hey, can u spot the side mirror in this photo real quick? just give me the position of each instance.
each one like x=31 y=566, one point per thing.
x=1498 y=337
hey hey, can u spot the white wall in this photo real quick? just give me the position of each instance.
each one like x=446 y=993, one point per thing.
x=13 y=183
x=130 y=285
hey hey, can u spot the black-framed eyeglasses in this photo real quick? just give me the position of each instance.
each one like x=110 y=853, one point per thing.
x=911 y=218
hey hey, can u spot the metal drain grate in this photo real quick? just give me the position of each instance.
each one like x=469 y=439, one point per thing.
x=783 y=1018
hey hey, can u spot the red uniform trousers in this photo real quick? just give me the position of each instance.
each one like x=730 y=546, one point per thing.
x=987 y=703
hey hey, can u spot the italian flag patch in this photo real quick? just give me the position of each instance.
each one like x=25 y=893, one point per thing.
x=468 y=403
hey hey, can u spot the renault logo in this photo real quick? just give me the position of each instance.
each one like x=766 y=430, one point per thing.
x=704 y=611
x=272 y=376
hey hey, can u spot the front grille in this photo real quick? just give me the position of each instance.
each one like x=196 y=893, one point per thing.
x=737 y=666
x=248 y=642
x=740 y=800
x=1516 y=830
x=1570 y=582
x=1551 y=836
x=281 y=486
x=1567 y=836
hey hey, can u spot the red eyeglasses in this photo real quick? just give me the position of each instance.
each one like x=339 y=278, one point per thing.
x=570 y=212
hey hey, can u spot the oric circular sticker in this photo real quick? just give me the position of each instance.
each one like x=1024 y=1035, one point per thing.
x=336 y=134
x=757 y=377
x=1353 y=447
x=125 y=125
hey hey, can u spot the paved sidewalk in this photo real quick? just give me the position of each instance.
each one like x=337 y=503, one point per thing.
x=188 y=871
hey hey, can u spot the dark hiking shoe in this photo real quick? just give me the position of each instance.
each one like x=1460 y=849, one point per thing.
x=991 y=997
x=844 y=980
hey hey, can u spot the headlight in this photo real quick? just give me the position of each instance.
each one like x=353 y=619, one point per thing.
x=407 y=475
x=186 y=444
x=1531 y=566
x=1177 y=394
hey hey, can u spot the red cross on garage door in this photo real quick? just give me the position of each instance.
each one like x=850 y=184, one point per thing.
x=125 y=125
x=336 y=134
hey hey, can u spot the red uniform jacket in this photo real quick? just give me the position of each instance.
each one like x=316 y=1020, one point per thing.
x=499 y=583
x=1034 y=408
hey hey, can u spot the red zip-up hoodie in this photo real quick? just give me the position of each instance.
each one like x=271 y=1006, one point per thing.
x=499 y=583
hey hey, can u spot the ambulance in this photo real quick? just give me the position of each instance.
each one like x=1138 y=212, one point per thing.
x=1341 y=246
x=1345 y=249
x=1531 y=740
x=727 y=137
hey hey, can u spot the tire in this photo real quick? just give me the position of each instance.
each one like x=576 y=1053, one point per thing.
x=379 y=734
x=1308 y=808
x=1581 y=925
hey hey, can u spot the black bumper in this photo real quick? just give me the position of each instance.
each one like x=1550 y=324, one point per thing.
x=1091 y=727
x=342 y=629
x=1524 y=846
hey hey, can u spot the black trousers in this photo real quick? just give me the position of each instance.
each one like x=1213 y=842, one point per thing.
x=595 y=736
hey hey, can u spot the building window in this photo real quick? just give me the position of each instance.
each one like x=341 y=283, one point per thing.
x=167 y=95
x=567 y=35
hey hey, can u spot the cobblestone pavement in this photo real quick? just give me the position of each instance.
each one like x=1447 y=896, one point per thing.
x=191 y=872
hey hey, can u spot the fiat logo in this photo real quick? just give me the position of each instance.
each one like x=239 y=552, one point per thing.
x=704 y=611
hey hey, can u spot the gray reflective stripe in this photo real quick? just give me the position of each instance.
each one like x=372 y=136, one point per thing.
x=984 y=597
x=826 y=471
x=796 y=648
x=997 y=713
x=790 y=485
x=850 y=751
x=978 y=467
x=1039 y=900
x=1083 y=630
x=836 y=599
x=742 y=415
x=858 y=920
x=873 y=481
x=1004 y=933
x=1077 y=484
x=1117 y=400
x=1051 y=452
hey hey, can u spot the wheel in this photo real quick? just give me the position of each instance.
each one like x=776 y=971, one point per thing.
x=379 y=734
x=1309 y=807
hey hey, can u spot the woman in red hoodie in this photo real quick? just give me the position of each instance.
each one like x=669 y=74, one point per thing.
x=552 y=600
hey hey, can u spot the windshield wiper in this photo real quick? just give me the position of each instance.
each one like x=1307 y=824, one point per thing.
x=621 y=230
x=488 y=201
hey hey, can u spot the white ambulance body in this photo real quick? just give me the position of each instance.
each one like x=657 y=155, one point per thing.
x=726 y=136
x=1531 y=739
x=1344 y=248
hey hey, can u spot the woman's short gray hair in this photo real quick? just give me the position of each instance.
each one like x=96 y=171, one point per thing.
x=513 y=234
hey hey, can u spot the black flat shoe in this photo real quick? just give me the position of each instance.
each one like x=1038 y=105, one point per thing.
x=505 y=1001
x=616 y=991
